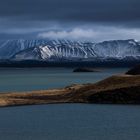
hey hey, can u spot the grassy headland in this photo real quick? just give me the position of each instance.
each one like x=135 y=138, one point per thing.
x=119 y=89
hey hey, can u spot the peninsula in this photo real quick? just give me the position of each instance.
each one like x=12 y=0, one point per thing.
x=117 y=89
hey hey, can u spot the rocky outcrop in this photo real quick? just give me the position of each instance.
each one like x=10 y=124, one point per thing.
x=134 y=71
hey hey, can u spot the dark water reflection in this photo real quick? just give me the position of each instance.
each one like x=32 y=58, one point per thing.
x=70 y=122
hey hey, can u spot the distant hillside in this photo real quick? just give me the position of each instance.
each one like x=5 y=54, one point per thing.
x=65 y=50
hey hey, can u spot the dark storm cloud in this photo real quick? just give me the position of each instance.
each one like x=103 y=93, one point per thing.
x=72 y=10
x=70 y=19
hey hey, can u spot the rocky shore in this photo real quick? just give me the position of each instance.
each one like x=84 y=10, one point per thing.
x=119 y=89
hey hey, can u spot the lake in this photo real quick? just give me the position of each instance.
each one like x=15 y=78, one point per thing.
x=70 y=122
x=64 y=121
x=47 y=78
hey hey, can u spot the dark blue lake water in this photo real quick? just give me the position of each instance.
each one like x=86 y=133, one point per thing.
x=70 y=122
x=64 y=121
x=36 y=79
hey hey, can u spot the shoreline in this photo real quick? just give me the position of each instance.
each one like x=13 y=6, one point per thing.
x=118 y=89
x=67 y=63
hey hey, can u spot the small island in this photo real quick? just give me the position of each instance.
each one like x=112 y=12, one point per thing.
x=86 y=70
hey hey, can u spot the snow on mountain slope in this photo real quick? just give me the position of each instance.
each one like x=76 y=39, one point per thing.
x=69 y=50
x=9 y=48
x=118 y=49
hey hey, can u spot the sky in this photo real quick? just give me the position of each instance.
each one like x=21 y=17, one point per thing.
x=89 y=20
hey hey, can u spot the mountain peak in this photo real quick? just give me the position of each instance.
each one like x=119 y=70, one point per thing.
x=43 y=49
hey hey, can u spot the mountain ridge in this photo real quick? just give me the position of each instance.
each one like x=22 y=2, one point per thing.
x=55 y=50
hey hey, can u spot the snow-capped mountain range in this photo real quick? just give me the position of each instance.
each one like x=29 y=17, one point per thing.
x=56 y=50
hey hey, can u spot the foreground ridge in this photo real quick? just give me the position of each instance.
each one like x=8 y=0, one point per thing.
x=119 y=89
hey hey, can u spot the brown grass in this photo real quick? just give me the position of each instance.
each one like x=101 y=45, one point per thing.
x=115 y=89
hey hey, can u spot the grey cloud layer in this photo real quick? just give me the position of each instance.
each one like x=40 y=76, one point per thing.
x=70 y=18
x=96 y=34
x=72 y=10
